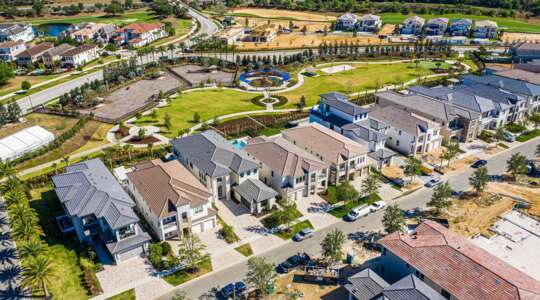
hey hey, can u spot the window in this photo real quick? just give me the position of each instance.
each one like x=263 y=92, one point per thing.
x=169 y=219
x=445 y=294
x=219 y=179
x=126 y=231
x=241 y=174
x=397 y=143
x=399 y=132
x=90 y=219
x=272 y=173
x=255 y=171
x=198 y=210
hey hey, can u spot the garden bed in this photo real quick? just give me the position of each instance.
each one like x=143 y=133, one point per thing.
x=245 y=250
x=146 y=140
x=181 y=276
x=290 y=232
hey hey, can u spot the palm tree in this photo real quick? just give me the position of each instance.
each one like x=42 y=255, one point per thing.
x=516 y=165
x=55 y=167
x=27 y=230
x=150 y=148
x=32 y=248
x=129 y=150
x=38 y=272
x=152 y=49
x=10 y=184
x=171 y=48
x=6 y=169
x=15 y=196
x=65 y=160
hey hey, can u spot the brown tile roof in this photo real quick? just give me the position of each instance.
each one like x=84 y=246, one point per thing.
x=458 y=266
x=36 y=50
x=159 y=182
x=325 y=142
x=9 y=44
x=141 y=27
x=80 y=49
x=283 y=157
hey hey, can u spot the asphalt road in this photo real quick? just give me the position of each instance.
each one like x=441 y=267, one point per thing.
x=202 y=288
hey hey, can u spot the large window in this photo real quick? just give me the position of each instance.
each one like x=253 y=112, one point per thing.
x=169 y=219
x=198 y=210
x=126 y=231
x=90 y=219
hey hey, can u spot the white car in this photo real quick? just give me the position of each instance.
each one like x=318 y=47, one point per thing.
x=358 y=212
x=377 y=206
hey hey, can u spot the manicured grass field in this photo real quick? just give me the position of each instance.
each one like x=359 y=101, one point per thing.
x=245 y=250
x=207 y=104
x=127 y=295
x=508 y=24
x=294 y=230
x=343 y=210
x=53 y=123
x=355 y=80
x=528 y=135
x=129 y=17
x=182 y=276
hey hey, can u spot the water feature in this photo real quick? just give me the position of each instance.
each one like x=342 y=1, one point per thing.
x=238 y=144
x=51 y=29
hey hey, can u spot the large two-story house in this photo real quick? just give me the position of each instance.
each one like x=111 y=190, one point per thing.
x=336 y=112
x=436 y=26
x=409 y=133
x=369 y=23
x=171 y=199
x=346 y=22
x=485 y=29
x=99 y=210
x=10 y=49
x=16 y=32
x=33 y=54
x=347 y=159
x=139 y=34
x=291 y=171
x=80 y=55
x=413 y=25
x=460 y=27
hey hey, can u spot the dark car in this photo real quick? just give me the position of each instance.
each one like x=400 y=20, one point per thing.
x=458 y=194
x=479 y=163
x=399 y=182
x=232 y=290
x=292 y=262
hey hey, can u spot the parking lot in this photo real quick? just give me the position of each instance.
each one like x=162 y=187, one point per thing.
x=195 y=74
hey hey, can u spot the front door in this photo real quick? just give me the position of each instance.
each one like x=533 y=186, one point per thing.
x=220 y=191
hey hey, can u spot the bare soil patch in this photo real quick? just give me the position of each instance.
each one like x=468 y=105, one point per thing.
x=311 y=26
x=298 y=40
x=196 y=74
x=512 y=37
x=282 y=13
x=530 y=194
x=387 y=29
x=53 y=123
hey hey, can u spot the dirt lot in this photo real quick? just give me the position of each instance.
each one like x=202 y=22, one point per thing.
x=281 y=13
x=127 y=100
x=298 y=40
x=394 y=172
x=387 y=29
x=311 y=26
x=434 y=158
x=291 y=283
x=511 y=37
x=55 y=124
x=195 y=74
x=530 y=194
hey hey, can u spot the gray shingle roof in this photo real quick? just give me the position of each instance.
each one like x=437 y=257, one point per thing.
x=512 y=85
x=466 y=100
x=89 y=188
x=366 y=285
x=411 y=288
x=58 y=50
x=255 y=190
x=439 y=21
x=501 y=99
x=463 y=22
x=134 y=241
x=423 y=104
x=363 y=131
x=213 y=154
x=341 y=102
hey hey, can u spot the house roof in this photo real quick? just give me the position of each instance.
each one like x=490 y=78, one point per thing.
x=410 y=287
x=407 y=121
x=9 y=44
x=367 y=130
x=370 y=17
x=439 y=21
x=89 y=188
x=504 y=82
x=421 y=103
x=161 y=184
x=141 y=27
x=526 y=46
x=519 y=74
x=255 y=190
x=115 y=246
x=366 y=284
x=458 y=266
x=325 y=142
x=485 y=23
x=284 y=158
x=80 y=49
x=414 y=20
x=13 y=28
x=36 y=50
x=58 y=50
x=462 y=22
x=213 y=154
x=348 y=16
x=341 y=102
x=466 y=100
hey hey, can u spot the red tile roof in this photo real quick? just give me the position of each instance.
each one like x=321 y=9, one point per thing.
x=458 y=266
x=142 y=27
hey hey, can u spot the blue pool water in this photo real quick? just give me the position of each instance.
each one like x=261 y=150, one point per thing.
x=52 y=29
x=238 y=144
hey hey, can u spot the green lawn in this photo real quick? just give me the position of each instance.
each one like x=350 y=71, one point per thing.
x=182 y=276
x=343 y=210
x=508 y=24
x=294 y=230
x=129 y=17
x=245 y=250
x=331 y=195
x=528 y=135
x=362 y=77
x=207 y=104
x=127 y=295
x=182 y=27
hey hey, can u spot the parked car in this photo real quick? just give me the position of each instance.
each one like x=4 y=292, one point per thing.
x=293 y=262
x=232 y=290
x=494 y=178
x=458 y=194
x=357 y=213
x=412 y=212
x=303 y=234
x=479 y=163
x=433 y=182
x=399 y=182
x=509 y=137
x=377 y=206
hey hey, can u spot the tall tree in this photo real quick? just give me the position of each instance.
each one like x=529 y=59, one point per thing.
x=371 y=185
x=535 y=119
x=412 y=167
x=499 y=134
x=440 y=200
x=260 y=273
x=114 y=8
x=13 y=112
x=393 y=219
x=346 y=192
x=516 y=165
x=452 y=150
x=38 y=273
x=190 y=251
x=167 y=121
x=478 y=180
x=332 y=245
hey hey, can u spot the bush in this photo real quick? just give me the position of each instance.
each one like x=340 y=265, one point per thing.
x=227 y=232
x=155 y=255
x=515 y=128
x=89 y=275
x=167 y=249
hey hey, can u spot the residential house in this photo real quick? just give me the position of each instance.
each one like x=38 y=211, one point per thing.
x=369 y=23
x=460 y=27
x=139 y=34
x=457 y=124
x=215 y=162
x=452 y=266
x=514 y=82
x=53 y=55
x=16 y=32
x=409 y=133
x=231 y=35
x=336 y=112
x=485 y=29
x=436 y=26
x=291 y=171
x=80 y=56
x=413 y=25
x=86 y=31
x=263 y=33
x=33 y=54
x=255 y=195
x=10 y=49
x=99 y=210
x=492 y=115
x=524 y=52
x=171 y=199
x=346 y=22
x=105 y=33
x=368 y=285
x=347 y=159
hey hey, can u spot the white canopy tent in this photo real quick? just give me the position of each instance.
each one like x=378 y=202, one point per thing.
x=24 y=141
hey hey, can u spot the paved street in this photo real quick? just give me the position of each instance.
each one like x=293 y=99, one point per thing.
x=203 y=286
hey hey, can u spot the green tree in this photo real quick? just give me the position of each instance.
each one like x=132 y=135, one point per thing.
x=13 y=112
x=180 y=295
x=190 y=251
x=153 y=114
x=478 y=180
x=371 y=185
x=332 y=245
x=346 y=192
x=15 y=196
x=260 y=273
x=440 y=200
x=196 y=117
x=452 y=150
x=38 y=272
x=141 y=133
x=167 y=121
x=37 y=6
x=499 y=134
x=393 y=219
x=114 y=8
x=161 y=8
x=32 y=248
x=288 y=213
x=516 y=165
x=412 y=167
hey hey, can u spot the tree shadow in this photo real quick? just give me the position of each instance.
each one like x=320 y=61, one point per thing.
x=10 y=275
x=14 y=293
x=8 y=255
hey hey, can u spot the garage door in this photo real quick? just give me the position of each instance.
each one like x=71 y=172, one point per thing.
x=130 y=253
x=208 y=225
x=198 y=228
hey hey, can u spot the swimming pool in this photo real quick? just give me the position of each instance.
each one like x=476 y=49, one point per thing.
x=238 y=144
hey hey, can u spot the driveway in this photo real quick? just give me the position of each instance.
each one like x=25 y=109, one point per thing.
x=132 y=272
x=314 y=208
x=245 y=225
